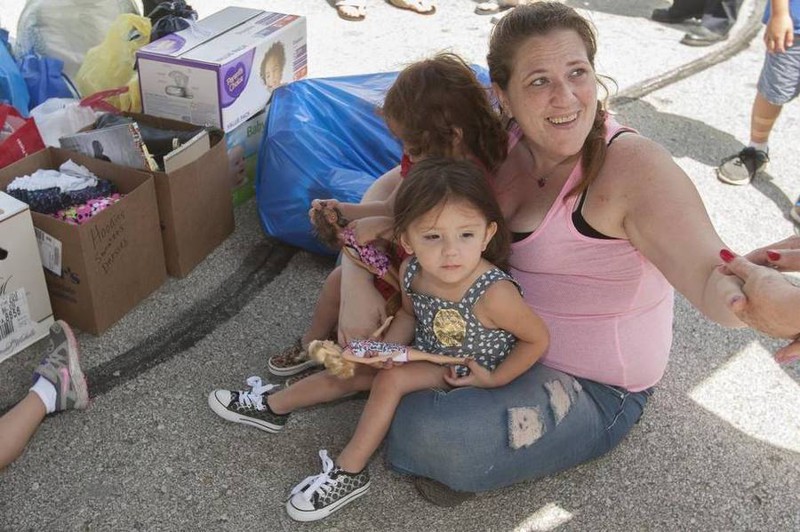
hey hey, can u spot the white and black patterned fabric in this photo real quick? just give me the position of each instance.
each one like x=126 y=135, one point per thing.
x=488 y=346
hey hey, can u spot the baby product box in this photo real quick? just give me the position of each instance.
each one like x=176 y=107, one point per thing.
x=222 y=70
x=194 y=203
x=25 y=313
x=98 y=270
x=243 y=146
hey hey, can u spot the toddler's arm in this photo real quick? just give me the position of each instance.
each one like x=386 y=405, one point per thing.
x=504 y=308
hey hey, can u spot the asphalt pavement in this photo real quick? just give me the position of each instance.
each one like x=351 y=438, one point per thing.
x=718 y=447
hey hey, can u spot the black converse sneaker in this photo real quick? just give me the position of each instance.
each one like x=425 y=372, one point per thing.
x=250 y=408
x=318 y=496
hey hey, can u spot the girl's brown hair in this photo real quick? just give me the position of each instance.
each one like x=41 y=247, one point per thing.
x=535 y=20
x=432 y=98
x=433 y=182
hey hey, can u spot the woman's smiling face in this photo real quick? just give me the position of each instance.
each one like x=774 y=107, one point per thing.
x=552 y=93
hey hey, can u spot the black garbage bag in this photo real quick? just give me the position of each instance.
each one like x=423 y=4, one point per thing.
x=169 y=17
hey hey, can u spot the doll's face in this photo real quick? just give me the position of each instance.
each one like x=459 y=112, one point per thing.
x=272 y=73
x=236 y=167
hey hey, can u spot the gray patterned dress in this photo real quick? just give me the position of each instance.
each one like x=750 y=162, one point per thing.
x=451 y=327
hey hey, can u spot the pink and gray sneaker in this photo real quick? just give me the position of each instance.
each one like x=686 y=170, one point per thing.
x=61 y=366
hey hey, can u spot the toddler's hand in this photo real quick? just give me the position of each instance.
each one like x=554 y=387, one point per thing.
x=321 y=205
x=479 y=376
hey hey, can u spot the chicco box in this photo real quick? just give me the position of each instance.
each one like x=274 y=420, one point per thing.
x=25 y=313
x=223 y=69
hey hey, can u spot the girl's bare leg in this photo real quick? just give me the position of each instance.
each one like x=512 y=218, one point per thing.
x=326 y=311
x=18 y=425
x=319 y=388
x=388 y=387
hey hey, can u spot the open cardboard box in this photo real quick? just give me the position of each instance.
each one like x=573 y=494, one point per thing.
x=97 y=271
x=194 y=202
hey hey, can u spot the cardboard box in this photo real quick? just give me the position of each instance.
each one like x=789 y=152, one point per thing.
x=194 y=203
x=222 y=71
x=25 y=313
x=97 y=271
x=244 y=143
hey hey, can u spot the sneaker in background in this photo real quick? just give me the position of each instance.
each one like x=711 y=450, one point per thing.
x=318 y=496
x=740 y=168
x=290 y=361
x=248 y=407
x=61 y=366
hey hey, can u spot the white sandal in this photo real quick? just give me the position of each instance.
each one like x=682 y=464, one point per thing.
x=358 y=12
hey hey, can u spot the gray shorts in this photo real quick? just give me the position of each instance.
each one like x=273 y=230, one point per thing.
x=779 y=82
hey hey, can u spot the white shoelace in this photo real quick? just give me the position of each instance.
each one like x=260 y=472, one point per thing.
x=321 y=482
x=255 y=397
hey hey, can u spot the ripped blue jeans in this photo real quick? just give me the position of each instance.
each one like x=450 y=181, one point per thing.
x=475 y=439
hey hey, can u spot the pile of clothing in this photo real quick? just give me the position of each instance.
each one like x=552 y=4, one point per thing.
x=72 y=193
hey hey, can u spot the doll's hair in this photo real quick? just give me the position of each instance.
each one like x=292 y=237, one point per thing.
x=328 y=225
x=329 y=354
x=431 y=99
x=431 y=183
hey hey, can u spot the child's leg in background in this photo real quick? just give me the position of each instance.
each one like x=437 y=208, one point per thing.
x=762 y=119
x=319 y=388
x=326 y=310
x=388 y=387
x=18 y=425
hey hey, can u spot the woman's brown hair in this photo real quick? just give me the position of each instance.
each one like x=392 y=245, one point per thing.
x=433 y=98
x=433 y=182
x=534 y=20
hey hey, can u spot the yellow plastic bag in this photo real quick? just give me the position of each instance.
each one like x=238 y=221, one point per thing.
x=110 y=64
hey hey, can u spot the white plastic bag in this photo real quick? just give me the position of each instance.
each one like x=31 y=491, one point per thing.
x=60 y=117
x=66 y=29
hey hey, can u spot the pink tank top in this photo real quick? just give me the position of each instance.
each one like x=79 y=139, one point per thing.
x=608 y=309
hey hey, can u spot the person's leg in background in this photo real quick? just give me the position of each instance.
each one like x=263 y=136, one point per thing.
x=58 y=385
x=778 y=84
x=719 y=16
x=680 y=11
x=18 y=425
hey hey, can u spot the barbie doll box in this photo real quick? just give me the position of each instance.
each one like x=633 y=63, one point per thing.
x=25 y=313
x=99 y=269
x=222 y=70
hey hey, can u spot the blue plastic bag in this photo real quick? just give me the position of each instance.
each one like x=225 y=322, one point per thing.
x=324 y=139
x=44 y=79
x=12 y=86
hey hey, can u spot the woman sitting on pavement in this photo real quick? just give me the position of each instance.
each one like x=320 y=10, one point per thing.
x=605 y=225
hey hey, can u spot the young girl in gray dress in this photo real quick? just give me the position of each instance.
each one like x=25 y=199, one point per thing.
x=457 y=302
x=462 y=316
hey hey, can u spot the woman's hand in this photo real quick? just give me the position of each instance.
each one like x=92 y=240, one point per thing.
x=479 y=376
x=770 y=303
x=783 y=255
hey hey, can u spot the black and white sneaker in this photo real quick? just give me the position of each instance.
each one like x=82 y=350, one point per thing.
x=318 y=496
x=248 y=407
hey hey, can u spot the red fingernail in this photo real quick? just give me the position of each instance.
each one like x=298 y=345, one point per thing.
x=773 y=255
x=726 y=255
